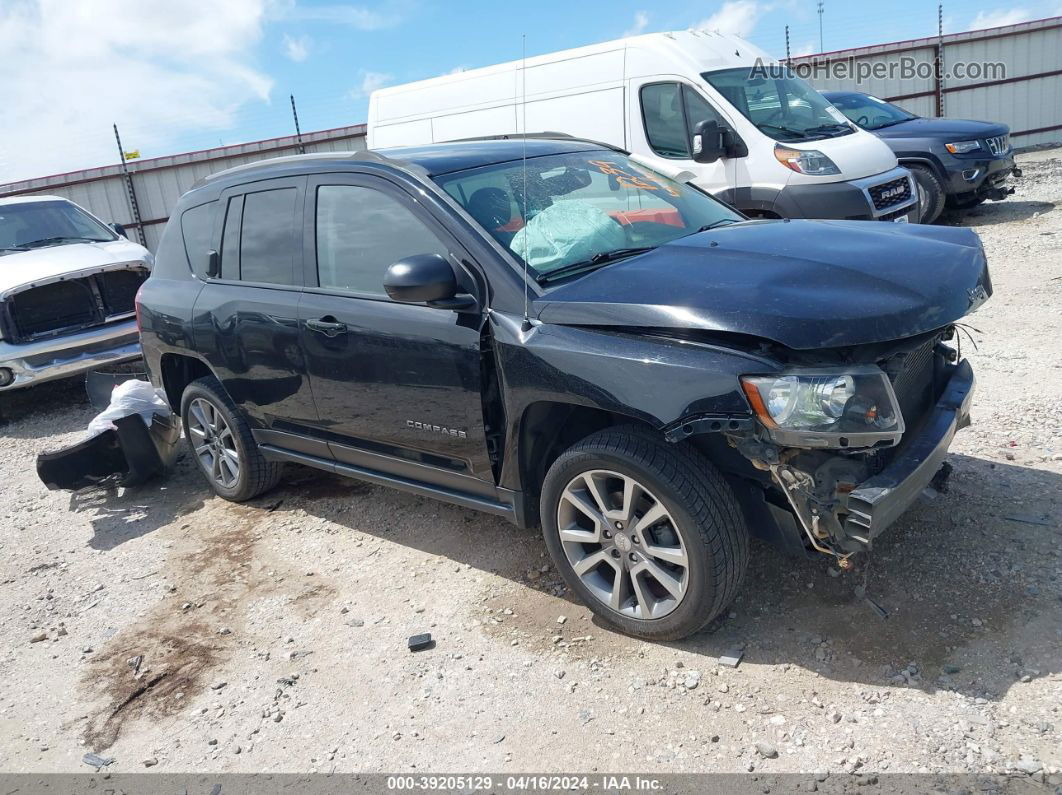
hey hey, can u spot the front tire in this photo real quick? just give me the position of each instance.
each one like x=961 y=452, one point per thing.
x=930 y=193
x=648 y=534
x=221 y=443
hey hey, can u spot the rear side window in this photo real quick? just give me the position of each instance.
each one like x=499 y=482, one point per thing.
x=361 y=232
x=197 y=229
x=267 y=237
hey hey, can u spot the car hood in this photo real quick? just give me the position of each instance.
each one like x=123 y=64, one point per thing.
x=24 y=268
x=804 y=284
x=950 y=129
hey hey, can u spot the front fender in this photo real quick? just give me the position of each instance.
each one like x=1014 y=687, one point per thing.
x=659 y=381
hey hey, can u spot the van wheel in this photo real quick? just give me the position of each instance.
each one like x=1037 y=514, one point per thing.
x=930 y=193
x=221 y=443
x=647 y=533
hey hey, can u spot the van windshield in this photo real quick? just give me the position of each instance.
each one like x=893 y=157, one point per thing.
x=779 y=103
x=583 y=209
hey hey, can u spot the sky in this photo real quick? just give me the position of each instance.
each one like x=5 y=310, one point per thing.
x=181 y=75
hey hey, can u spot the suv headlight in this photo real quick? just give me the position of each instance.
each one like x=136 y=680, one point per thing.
x=962 y=147
x=805 y=161
x=826 y=407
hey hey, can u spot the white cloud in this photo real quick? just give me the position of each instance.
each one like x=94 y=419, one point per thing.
x=457 y=70
x=370 y=81
x=386 y=15
x=641 y=22
x=738 y=17
x=297 y=49
x=998 y=17
x=71 y=68
x=807 y=48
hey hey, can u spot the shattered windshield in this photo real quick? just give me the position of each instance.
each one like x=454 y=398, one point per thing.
x=568 y=213
x=29 y=225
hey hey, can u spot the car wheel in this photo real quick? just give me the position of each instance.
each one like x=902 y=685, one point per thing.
x=930 y=193
x=648 y=534
x=222 y=445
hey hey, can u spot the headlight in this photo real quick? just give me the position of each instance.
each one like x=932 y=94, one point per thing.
x=805 y=161
x=828 y=407
x=962 y=147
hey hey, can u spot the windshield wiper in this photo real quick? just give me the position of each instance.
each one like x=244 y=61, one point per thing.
x=596 y=261
x=54 y=241
x=891 y=123
x=784 y=130
x=826 y=129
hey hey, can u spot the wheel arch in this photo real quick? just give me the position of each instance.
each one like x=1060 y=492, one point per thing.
x=177 y=371
x=929 y=162
x=548 y=428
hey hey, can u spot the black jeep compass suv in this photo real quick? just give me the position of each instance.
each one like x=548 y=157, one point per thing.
x=548 y=330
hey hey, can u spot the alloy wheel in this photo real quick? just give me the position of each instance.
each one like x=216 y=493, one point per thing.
x=623 y=544
x=213 y=442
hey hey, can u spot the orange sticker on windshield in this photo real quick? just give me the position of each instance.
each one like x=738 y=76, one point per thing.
x=640 y=181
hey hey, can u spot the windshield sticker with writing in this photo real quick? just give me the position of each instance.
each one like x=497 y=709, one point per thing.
x=639 y=181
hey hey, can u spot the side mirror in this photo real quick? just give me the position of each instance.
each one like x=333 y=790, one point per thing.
x=425 y=278
x=709 y=141
x=118 y=229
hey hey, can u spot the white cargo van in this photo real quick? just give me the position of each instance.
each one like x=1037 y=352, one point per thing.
x=706 y=103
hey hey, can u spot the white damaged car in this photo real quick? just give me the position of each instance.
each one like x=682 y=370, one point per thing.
x=68 y=284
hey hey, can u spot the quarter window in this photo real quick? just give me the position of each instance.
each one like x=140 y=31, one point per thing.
x=197 y=228
x=267 y=238
x=361 y=232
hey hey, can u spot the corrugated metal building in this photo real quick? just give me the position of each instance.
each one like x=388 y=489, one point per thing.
x=159 y=182
x=1028 y=97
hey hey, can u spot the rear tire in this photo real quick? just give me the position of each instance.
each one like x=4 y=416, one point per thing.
x=221 y=443
x=930 y=193
x=648 y=534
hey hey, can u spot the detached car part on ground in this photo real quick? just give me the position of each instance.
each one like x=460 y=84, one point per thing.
x=682 y=378
x=957 y=163
x=67 y=284
x=133 y=438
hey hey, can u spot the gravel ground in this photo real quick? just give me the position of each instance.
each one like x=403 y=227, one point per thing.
x=168 y=629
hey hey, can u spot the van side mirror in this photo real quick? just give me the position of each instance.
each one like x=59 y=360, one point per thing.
x=709 y=141
x=425 y=278
x=118 y=229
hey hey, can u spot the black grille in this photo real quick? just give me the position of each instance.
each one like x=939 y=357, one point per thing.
x=53 y=307
x=70 y=305
x=891 y=193
x=119 y=289
x=911 y=374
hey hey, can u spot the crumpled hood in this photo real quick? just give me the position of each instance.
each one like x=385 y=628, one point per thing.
x=804 y=284
x=21 y=268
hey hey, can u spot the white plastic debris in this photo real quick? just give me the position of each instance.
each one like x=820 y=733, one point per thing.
x=127 y=399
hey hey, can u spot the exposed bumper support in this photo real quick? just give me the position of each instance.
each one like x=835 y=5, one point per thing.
x=69 y=354
x=878 y=501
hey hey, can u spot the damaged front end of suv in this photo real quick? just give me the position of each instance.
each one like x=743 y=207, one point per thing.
x=852 y=436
